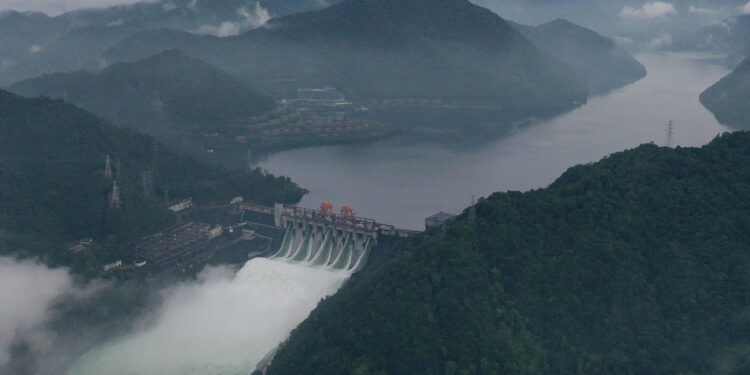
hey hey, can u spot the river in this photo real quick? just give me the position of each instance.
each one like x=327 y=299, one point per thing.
x=403 y=180
x=225 y=323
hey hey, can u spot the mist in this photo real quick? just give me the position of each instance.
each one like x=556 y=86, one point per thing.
x=220 y=324
x=249 y=19
x=55 y=7
x=27 y=291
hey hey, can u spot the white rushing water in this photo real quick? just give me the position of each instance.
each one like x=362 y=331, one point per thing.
x=223 y=324
x=401 y=181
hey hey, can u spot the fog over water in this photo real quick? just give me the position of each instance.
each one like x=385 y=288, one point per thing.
x=401 y=181
x=223 y=324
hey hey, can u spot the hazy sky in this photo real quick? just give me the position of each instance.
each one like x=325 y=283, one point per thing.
x=54 y=7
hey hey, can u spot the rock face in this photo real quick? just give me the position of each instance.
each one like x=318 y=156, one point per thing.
x=387 y=49
x=561 y=279
x=729 y=99
x=166 y=90
x=595 y=58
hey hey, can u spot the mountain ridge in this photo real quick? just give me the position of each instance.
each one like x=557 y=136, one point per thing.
x=633 y=264
x=168 y=90
x=401 y=52
x=728 y=99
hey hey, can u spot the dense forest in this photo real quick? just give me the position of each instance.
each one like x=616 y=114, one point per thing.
x=74 y=40
x=168 y=91
x=53 y=190
x=637 y=264
x=479 y=58
x=728 y=99
x=595 y=58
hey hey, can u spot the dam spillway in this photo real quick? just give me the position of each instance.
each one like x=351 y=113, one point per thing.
x=323 y=248
x=226 y=322
x=337 y=241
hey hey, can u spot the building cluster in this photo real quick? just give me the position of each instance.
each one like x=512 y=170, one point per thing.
x=181 y=247
x=410 y=101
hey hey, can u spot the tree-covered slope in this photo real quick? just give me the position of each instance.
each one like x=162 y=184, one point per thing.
x=388 y=49
x=729 y=99
x=166 y=90
x=637 y=264
x=595 y=58
x=52 y=187
x=35 y=44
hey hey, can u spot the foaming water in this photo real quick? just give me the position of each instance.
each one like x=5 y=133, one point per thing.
x=224 y=324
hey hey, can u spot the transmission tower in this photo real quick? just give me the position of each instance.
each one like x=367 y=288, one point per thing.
x=670 y=131
x=114 y=199
x=147 y=179
x=473 y=210
x=118 y=170
x=155 y=155
x=166 y=195
x=249 y=160
x=108 y=169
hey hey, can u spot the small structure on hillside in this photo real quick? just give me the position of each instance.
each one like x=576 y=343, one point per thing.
x=81 y=245
x=182 y=205
x=437 y=220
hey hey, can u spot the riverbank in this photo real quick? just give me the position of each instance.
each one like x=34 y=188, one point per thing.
x=405 y=179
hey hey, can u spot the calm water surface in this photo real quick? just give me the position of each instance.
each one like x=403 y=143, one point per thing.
x=401 y=181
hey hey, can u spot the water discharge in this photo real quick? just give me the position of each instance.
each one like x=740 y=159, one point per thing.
x=223 y=324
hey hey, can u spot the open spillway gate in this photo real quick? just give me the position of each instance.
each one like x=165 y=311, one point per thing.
x=324 y=238
x=319 y=247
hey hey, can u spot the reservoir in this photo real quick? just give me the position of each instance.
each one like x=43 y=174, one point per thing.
x=402 y=180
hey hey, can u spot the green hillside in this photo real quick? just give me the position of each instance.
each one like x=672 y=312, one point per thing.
x=169 y=90
x=638 y=264
x=449 y=51
x=52 y=187
x=595 y=58
x=729 y=99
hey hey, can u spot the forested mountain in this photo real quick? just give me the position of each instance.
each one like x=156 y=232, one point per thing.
x=53 y=189
x=729 y=99
x=617 y=17
x=446 y=50
x=34 y=44
x=169 y=90
x=729 y=36
x=637 y=264
x=595 y=58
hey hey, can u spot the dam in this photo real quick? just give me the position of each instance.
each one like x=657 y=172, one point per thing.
x=324 y=238
x=230 y=322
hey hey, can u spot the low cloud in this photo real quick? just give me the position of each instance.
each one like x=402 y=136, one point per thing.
x=704 y=11
x=225 y=322
x=248 y=19
x=663 y=40
x=55 y=7
x=651 y=10
x=745 y=9
x=35 y=49
x=27 y=290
